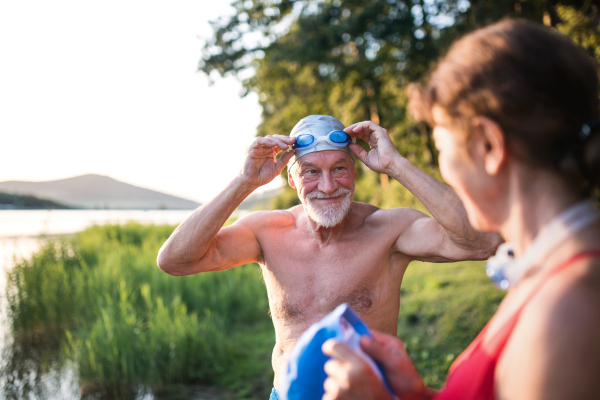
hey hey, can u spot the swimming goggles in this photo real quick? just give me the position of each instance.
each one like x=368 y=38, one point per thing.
x=335 y=138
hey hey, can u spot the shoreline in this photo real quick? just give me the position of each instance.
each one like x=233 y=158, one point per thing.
x=34 y=223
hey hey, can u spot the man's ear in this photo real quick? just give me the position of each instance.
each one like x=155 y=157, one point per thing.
x=291 y=179
x=493 y=145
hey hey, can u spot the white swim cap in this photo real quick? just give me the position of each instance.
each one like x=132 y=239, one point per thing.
x=317 y=125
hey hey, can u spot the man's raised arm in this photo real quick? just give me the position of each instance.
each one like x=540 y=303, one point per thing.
x=200 y=243
x=447 y=236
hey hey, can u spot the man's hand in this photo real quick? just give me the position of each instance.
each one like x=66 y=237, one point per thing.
x=350 y=377
x=261 y=165
x=383 y=153
x=199 y=244
x=449 y=237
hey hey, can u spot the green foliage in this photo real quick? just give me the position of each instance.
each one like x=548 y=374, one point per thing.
x=127 y=325
x=350 y=59
x=19 y=201
x=443 y=307
x=353 y=59
x=581 y=26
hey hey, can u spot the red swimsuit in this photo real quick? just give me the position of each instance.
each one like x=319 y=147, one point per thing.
x=471 y=376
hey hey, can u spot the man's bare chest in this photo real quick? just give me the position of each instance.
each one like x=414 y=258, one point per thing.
x=294 y=258
x=306 y=279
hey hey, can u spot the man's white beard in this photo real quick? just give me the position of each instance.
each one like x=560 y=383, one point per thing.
x=331 y=214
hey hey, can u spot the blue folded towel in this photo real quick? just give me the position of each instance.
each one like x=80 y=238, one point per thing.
x=304 y=375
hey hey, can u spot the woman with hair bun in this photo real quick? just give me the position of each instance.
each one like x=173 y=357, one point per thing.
x=515 y=115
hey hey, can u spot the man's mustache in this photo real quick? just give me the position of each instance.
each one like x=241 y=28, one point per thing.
x=339 y=192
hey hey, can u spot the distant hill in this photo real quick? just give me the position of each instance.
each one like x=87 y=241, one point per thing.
x=98 y=192
x=10 y=201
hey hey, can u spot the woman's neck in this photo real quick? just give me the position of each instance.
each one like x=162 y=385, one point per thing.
x=533 y=205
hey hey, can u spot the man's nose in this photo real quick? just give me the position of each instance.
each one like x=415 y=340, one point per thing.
x=327 y=184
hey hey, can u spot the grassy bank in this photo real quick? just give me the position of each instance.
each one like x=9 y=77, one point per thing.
x=127 y=325
x=443 y=307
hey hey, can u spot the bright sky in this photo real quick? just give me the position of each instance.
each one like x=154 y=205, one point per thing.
x=110 y=87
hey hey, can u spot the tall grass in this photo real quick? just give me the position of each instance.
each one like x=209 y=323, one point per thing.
x=442 y=308
x=127 y=324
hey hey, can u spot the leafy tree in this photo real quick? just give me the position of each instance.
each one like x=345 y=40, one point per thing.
x=353 y=59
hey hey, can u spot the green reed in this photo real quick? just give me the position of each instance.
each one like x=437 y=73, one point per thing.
x=125 y=323
x=443 y=307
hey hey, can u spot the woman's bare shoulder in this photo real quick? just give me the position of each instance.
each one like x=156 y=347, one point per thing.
x=568 y=302
x=573 y=296
x=554 y=349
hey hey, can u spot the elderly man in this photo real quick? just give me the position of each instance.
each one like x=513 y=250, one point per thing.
x=330 y=249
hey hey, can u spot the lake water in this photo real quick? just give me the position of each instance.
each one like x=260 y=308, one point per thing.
x=19 y=223
x=19 y=232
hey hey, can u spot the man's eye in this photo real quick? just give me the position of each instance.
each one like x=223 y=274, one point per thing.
x=340 y=168
x=311 y=171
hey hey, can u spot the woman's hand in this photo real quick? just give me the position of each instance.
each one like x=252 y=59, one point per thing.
x=350 y=377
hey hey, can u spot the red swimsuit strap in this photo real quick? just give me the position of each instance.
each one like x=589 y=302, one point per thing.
x=499 y=339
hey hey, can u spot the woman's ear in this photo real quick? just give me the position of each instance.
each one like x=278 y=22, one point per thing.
x=493 y=144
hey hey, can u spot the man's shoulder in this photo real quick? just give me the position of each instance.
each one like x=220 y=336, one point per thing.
x=269 y=218
x=388 y=216
x=365 y=209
